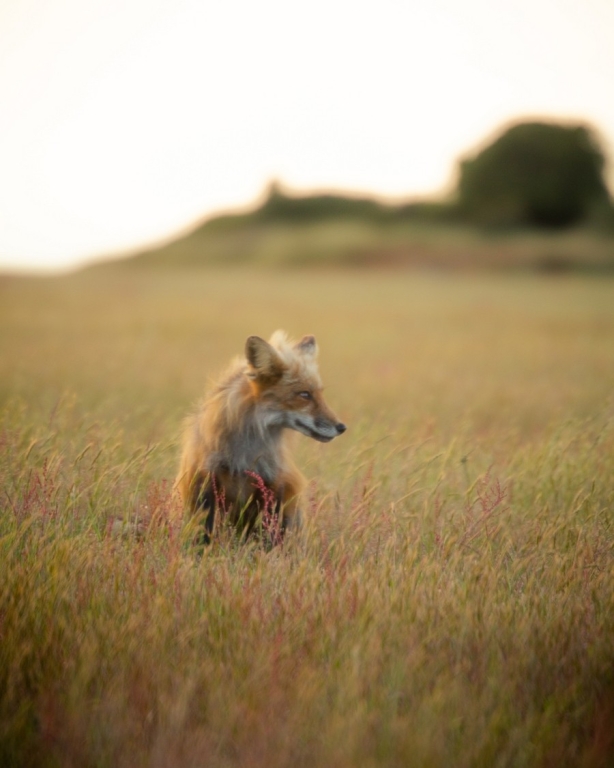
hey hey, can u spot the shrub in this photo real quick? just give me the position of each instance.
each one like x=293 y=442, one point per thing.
x=536 y=174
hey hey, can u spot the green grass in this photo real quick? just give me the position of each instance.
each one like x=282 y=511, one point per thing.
x=362 y=242
x=450 y=601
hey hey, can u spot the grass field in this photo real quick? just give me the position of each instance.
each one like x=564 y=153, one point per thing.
x=450 y=601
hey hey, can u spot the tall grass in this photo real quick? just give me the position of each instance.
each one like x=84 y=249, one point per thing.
x=450 y=600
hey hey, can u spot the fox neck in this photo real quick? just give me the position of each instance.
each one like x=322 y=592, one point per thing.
x=257 y=446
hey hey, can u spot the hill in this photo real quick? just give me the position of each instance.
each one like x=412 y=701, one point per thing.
x=336 y=230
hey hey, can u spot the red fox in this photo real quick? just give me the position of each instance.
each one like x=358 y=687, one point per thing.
x=235 y=449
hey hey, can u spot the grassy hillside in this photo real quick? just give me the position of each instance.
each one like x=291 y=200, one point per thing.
x=450 y=599
x=329 y=230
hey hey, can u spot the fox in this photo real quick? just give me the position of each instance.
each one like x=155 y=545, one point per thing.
x=236 y=456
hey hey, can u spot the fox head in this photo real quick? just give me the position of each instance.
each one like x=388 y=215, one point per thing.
x=285 y=380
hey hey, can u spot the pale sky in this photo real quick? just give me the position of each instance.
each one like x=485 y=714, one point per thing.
x=123 y=121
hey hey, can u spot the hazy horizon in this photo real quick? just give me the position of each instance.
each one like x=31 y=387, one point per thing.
x=127 y=122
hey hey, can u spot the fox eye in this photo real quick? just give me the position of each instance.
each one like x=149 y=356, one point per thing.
x=305 y=395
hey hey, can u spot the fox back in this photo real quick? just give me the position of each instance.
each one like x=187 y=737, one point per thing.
x=236 y=455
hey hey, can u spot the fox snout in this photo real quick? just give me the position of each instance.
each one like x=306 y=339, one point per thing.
x=319 y=428
x=325 y=424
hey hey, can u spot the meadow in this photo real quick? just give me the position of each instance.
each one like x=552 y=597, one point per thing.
x=450 y=600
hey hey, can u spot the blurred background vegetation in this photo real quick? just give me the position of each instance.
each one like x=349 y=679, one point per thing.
x=537 y=174
x=535 y=197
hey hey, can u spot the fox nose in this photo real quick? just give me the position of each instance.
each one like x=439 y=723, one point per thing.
x=340 y=428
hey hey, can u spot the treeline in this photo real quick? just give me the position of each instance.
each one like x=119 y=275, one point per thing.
x=539 y=175
x=281 y=206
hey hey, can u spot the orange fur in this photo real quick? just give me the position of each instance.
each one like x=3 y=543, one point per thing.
x=241 y=430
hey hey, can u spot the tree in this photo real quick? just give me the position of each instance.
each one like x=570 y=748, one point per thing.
x=538 y=174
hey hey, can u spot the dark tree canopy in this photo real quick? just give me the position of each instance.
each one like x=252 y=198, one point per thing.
x=536 y=174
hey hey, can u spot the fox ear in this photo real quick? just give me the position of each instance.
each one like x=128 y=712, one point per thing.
x=265 y=361
x=308 y=346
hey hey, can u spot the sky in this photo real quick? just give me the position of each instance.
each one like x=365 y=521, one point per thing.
x=122 y=122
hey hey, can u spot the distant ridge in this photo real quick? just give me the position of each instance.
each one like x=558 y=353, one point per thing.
x=294 y=228
x=336 y=230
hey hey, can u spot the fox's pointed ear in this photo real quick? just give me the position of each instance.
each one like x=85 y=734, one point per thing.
x=308 y=346
x=264 y=360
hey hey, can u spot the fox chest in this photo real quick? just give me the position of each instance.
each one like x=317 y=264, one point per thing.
x=248 y=453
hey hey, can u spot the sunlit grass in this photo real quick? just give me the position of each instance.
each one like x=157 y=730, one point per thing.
x=450 y=599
